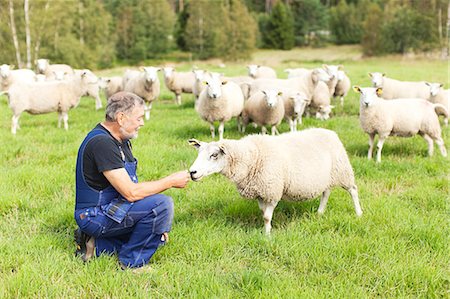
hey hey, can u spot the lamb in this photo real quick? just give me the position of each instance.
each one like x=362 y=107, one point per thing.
x=399 y=117
x=144 y=84
x=260 y=71
x=45 y=97
x=264 y=108
x=111 y=85
x=8 y=76
x=395 y=89
x=178 y=82
x=44 y=67
x=294 y=107
x=295 y=166
x=220 y=101
x=439 y=95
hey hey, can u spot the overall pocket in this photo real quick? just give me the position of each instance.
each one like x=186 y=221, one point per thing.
x=117 y=209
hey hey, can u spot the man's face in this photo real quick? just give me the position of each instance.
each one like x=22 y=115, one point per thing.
x=130 y=123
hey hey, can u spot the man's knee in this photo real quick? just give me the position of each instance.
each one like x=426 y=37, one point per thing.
x=163 y=214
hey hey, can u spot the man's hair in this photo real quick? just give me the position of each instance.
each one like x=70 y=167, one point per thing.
x=122 y=102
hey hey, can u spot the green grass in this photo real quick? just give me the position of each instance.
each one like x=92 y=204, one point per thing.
x=399 y=248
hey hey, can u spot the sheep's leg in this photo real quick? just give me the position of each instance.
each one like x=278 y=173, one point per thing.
x=178 y=98
x=60 y=117
x=221 y=125
x=238 y=120
x=371 y=142
x=429 y=140
x=323 y=201
x=342 y=101
x=354 y=193
x=297 y=120
x=275 y=131
x=14 y=124
x=263 y=130
x=441 y=146
x=98 y=102
x=65 y=116
x=380 y=143
x=147 y=109
x=267 y=212
x=291 y=125
x=211 y=128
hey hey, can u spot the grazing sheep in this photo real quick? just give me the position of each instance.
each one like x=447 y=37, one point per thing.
x=294 y=107
x=220 y=101
x=395 y=89
x=320 y=103
x=400 y=117
x=43 y=66
x=294 y=166
x=264 y=108
x=260 y=71
x=111 y=85
x=439 y=96
x=93 y=90
x=8 y=76
x=144 y=84
x=45 y=97
x=343 y=85
x=178 y=82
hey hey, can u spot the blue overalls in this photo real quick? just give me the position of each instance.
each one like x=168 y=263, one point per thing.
x=132 y=229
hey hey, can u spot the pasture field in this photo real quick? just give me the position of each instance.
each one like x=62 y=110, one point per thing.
x=399 y=248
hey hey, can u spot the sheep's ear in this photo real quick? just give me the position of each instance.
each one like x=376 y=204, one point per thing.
x=325 y=66
x=264 y=92
x=379 y=91
x=357 y=89
x=108 y=80
x=222 y=149
x=224 y=82
x=428 y=84
x=383 y=74
x=280 y=93
x=195 y=143
x=441 y=85
x=340 y=67
x=141 y=68
x=370 y=75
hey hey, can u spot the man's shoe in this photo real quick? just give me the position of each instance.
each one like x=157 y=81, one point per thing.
x=85 y=245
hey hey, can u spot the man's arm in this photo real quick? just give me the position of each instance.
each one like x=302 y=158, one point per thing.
x=131 y=191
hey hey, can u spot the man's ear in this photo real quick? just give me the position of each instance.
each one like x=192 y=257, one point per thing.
x=195 y=143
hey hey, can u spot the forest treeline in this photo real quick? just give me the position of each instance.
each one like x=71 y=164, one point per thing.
x=101 y=33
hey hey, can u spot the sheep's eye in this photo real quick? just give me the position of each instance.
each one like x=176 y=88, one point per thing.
x=214 y=155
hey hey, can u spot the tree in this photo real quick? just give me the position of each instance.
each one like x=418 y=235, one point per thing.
x=346 y=23
x=278 y=32
x=372 y=40
x=310 y=17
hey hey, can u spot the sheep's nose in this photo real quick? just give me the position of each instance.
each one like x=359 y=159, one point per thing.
x=192 y=174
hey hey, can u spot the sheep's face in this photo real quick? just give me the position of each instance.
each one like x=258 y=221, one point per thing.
x=151 y=73
x=4 y=70
x=300 y=102
x=211 y=159
x=272 y=97
x=321 y=75
x=42 y=65
x=199 y=74
x=332 y=70
x=103 y=82
x=252 y=70
x=368 y=95
x=340 y=75
x=168 y=71
x=59 y=75
x=377 y=79
x=324 y=112
x=434 y=88
x=214 y=86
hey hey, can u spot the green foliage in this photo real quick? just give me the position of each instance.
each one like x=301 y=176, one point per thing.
x=372 y=40
x=310 y=17
x=180 y=28
x=278 y=30
x=346 y=23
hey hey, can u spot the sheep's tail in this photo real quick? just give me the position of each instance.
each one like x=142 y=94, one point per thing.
x=441 y=110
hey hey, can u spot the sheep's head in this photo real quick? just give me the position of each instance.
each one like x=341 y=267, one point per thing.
x=168 y=71
x=300 y=102
x=377 y=79
x=214 y=85
x=151 y=73
x=368 y=95
x=272 y=97
x=434 y=88
x=59 y=75
x=324 y=112
x=252 y=70
x=211 y=159
x=332 y=70
x=199 y=74
x=4 y=70
x=320 y=74
x=42 y=65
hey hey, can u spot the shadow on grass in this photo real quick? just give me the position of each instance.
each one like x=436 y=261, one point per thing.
x=393 y=148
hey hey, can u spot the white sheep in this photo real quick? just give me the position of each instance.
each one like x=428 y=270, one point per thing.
x=320 y=103
x=395 y=89
x=144 y=84
x=343 y=85
x=439 y=95
x=178 y=82
x=9 y=76
x=45 y=97
x=111 y=85
x=43 y=66
x=400 y=117
x=199 y=84
x=259 y=71
x=220 y=101
x=264 y=108
x=295 y=166
x=295 y=103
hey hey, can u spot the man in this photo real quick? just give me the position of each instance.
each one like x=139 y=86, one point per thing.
x=114 y=212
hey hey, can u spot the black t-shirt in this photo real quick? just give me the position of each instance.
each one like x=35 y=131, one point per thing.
x=103 y=153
